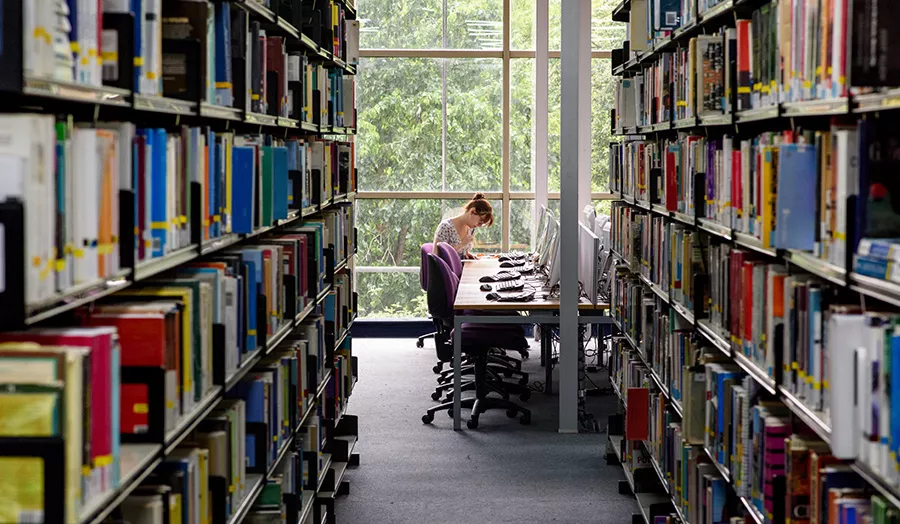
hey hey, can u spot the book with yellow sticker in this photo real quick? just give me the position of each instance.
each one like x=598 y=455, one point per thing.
x=38 y=386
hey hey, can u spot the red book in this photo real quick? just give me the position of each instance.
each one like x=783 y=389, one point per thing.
x=747 y=301
x=744 y=75
x=142 y=337
x=141 y=144
x=637 y=418
x=671 y=182
x=274 y=56
x=104 y=379
x=263 y=60
x=135 y=409
x=736 y=199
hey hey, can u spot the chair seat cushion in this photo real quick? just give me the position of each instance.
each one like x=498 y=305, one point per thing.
x=493 y=336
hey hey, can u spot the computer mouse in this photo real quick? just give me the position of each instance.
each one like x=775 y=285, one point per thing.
x=493 y=296
x=485 y=287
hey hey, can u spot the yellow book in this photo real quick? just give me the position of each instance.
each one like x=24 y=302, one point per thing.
x=769 y=183
x=37 y=406
x=203 y=470
x=229 y=143
x=175 y=508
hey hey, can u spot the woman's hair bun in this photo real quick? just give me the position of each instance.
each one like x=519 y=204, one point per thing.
x=478 y=196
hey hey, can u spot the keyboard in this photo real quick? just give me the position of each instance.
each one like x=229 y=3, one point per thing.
x=501 y=276
x=504 y=257
x=510 y=285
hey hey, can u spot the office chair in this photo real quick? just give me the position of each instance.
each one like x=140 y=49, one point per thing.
x=449 y=255
x=476 y=340
x=427 y=249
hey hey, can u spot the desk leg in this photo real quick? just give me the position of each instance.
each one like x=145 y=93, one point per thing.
x=457 y=375
x=547 y=357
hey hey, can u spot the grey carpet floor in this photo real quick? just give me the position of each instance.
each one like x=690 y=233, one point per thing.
x=502 y=472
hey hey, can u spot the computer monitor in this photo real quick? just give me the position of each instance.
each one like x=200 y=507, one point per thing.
x=588 y=261
x=541 y=227
x=545 y=252
x=555 y=263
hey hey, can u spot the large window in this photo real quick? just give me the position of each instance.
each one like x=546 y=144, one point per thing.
x=446 y=109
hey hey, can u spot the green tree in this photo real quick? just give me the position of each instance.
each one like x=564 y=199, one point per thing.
x=401 y=124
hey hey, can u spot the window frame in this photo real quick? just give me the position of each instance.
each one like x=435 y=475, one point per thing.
x=539 y=193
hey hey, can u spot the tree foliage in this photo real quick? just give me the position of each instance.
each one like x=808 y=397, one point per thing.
x=429 y=124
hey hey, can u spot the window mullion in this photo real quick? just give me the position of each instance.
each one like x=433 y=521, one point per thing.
x=505 y=125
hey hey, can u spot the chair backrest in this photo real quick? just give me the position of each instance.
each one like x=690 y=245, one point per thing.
x=451 y=257
x=427 y=249
x=441 y=291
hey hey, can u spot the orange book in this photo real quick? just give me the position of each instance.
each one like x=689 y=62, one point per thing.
x=107 y=163
x=842 y=494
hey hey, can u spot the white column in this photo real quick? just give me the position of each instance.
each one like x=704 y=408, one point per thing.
x=584 y=107
x=572 y=114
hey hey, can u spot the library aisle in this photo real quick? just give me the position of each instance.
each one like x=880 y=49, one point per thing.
x=505 y=472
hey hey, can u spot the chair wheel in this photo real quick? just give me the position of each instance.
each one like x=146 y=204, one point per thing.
x=525 y=419
x=420 y=343
x=437 y=368
x=525 y=396
x=427 y=418
x=450 y=412
x=472 y=423
x=511 y=413
x=436 y=396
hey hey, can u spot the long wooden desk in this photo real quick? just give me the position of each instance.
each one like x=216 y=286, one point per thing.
x=471 y=304
x=470 y=295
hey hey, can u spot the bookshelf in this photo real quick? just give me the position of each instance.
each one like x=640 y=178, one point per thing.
x=747 y=254
x=178 y=269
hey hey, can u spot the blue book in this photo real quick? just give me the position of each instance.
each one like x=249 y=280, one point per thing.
x=329 y=307
x=886 y=248
x=210 y=151
x=224 y=86
x=895 y=395
x=871 y=267
x=250 y=309
x=178 y=474
x=666 y=15
x=292 y=154
x=814 y=316
x=795 y=218
x=719 y=495
x=137 y=8
x=159 y=194
x=253 y=392
x=255 y=256
x=216 y=167
x=724 y=382
x=280 y=182
x=135 y=172
x=243 y=173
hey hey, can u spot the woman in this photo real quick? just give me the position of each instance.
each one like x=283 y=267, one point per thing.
x=459 y=231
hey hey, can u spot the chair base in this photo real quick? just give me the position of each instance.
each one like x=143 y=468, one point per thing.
x=466 y=403
x=420 y=342
x=512 y=409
